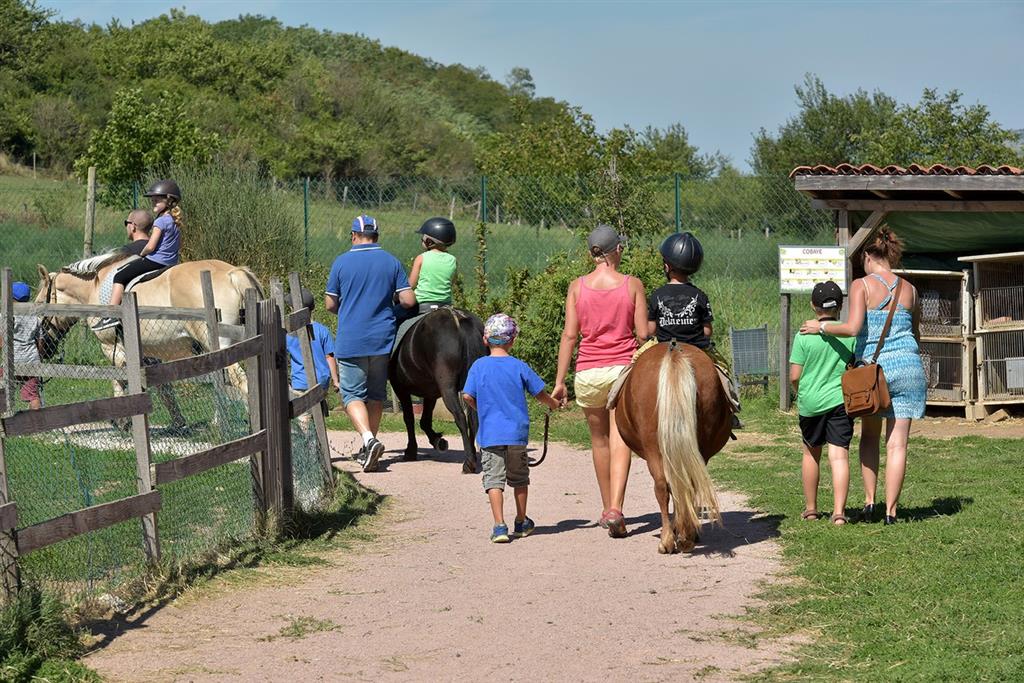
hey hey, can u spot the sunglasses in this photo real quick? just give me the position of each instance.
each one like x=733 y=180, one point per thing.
x=127 y=223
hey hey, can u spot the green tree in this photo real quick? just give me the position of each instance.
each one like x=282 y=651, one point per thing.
x=942 y=130
x=671 y=152
x=142 y=134
x=827 y=129
x=520 y=82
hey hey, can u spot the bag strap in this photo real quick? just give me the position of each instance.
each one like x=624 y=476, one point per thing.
x=888 y=319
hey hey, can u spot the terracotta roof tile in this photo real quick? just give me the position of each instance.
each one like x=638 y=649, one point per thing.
x=913 y=169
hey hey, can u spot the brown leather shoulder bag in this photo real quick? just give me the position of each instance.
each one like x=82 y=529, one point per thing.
x=865 y=391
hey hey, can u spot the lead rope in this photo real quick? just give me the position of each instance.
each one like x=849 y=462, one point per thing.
x=544 y=452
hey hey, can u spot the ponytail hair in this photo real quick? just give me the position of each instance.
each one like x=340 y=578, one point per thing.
x=886 y=246
x=177 y=215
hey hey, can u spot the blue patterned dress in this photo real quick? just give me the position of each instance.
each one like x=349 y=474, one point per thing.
x=900 y=357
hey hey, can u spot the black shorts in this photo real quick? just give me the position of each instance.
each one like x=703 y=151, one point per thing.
x=833 y=427
x=130 y=271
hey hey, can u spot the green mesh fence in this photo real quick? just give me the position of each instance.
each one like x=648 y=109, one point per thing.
x=66 y=470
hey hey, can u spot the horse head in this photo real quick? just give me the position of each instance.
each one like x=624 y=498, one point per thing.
x=52 y=329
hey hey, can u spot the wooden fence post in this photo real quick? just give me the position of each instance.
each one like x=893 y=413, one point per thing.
x=8 y=548
x=140 y=423
x=785 y=399
x=90 y=212
x=305 y=343
x=277 y=466
x=252 y=375
x=213 y=340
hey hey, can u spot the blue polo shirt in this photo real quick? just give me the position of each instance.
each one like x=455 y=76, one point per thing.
x=497 y=383
x=322 y=345
x=364 y=280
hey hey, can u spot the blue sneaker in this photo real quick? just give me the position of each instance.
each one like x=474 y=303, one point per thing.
x=500 y=534
x=525 y=527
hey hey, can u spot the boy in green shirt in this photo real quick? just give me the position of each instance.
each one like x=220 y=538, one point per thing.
x=816 y=370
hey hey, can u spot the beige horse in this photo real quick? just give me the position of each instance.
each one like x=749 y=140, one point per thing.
x=179 y=287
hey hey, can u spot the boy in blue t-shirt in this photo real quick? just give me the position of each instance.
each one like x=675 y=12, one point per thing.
x=494 y=388
x=322 y=343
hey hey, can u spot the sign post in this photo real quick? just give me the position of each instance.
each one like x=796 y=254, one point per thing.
x=800 y=268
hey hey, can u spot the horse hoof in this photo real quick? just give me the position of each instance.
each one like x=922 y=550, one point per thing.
x=468 y=468
x=685 y=546
x=664 y=550
x=409 y=456
x=441 y=445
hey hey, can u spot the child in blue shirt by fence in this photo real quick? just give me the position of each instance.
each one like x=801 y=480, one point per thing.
x=494 y=387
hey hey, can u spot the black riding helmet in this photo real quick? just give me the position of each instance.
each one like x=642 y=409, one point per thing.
x=439 y=229
x=682 y=252
x=164 y=188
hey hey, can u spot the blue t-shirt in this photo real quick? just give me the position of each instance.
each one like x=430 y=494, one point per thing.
x=364 y=280
x=169 y=246
x=497 y=384
x=323 y=346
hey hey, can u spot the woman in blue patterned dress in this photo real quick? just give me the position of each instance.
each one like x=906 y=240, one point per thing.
x=900 y=359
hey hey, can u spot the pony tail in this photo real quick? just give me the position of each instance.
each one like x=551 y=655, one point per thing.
x=886 y=246
x=687 y=473
x=178 y=215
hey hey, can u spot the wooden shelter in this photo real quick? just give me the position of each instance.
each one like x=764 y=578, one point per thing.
x=943 y=214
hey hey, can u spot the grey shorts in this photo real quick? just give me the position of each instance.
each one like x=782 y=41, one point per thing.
x=504 y=463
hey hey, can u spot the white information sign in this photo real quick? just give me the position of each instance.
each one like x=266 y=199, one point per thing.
x=800 y=268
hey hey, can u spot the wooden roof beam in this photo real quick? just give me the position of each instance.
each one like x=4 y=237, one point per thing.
x=953 y=194
x=919 y=183
x=993 y=206
x=864 y=233
x=881 y=193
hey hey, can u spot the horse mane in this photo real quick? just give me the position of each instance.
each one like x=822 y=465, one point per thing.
x=89 y=267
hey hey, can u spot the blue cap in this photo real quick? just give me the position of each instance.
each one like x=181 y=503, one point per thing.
x=20 y=291
x=364 y=224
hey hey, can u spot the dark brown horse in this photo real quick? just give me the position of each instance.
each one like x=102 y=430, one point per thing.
x=431 y=362
x=673 y=412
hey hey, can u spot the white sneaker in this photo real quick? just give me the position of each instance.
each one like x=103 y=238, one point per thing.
x=374 y=449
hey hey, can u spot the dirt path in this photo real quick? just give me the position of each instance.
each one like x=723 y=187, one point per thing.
x=431 y=598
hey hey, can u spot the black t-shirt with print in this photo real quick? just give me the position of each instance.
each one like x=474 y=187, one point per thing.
x=681 y=311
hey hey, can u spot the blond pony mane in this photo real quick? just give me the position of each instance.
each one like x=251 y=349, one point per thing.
x=89 y=267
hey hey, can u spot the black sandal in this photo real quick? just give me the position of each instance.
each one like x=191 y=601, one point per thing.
x=810 y=514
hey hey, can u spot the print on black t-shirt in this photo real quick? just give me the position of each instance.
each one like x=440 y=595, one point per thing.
x=681 y=311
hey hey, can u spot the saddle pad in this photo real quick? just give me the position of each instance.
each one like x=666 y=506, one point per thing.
x=403 y=329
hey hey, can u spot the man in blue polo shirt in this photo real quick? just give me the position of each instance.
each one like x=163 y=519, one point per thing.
x=361 y=290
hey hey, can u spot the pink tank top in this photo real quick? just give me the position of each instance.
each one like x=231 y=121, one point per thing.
x=606 y=322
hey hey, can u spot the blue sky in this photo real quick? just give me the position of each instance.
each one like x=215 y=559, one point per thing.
x=722 y=69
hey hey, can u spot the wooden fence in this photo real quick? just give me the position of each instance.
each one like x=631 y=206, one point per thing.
x=261 y=341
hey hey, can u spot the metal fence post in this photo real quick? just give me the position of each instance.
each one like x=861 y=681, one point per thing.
x=679 y=215
x=305 y=217
x=483 y=199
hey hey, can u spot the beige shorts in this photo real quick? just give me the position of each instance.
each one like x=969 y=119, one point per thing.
x=592 y=385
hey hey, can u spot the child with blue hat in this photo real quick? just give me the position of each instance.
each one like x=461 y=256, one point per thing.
x=26 y=347
x=495 y=388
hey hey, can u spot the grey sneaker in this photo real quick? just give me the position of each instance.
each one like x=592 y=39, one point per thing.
x=373 y=450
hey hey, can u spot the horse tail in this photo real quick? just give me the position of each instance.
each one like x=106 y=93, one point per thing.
x=242 y=279
x=685 y=469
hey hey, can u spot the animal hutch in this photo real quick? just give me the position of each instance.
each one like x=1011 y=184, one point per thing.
x=999 y=327
x=963 y=230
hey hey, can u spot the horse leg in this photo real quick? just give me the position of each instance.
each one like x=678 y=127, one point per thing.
x=454 y=404
x=656 y=467
x=405 y=400
x=437 y=442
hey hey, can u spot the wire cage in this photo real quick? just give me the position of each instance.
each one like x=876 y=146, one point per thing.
x=944 y=371
x=1002 y=367
x=942 y=295
x=999 y=290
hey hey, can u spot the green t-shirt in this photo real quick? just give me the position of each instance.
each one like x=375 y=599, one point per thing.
x=435 y=283
x=824 y=358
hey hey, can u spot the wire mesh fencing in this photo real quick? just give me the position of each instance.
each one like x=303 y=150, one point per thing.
x=67 y=470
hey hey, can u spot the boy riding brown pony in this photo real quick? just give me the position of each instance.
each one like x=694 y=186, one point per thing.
x=673 y=412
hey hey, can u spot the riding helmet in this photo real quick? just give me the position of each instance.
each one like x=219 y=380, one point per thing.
x=439 y=229
x=682 y=252
x=164 y=188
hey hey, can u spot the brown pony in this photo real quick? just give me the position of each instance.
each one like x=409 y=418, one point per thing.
x=673 y=412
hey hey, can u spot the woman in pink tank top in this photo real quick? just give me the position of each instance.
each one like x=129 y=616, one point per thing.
x=609 y=310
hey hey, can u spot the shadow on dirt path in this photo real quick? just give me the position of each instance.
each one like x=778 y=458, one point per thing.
x=431 y=598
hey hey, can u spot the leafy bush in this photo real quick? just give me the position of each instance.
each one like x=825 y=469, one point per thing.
x=232 y=215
